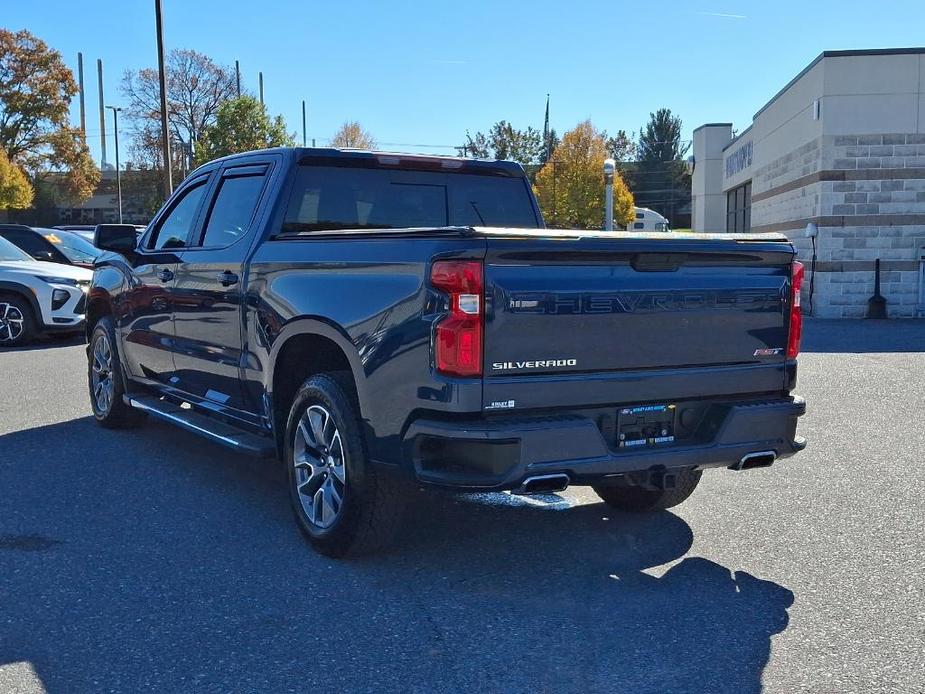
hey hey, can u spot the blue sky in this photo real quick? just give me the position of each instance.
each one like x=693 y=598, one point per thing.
x=419 y=74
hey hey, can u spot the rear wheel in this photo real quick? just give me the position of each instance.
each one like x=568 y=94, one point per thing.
x=105 y=379
x=17 y=324
x=342 y=504
x=641 y=500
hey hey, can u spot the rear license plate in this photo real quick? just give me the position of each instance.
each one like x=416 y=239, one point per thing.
x=645 y=425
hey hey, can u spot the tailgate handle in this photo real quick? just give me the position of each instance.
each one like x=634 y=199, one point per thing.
x=658 y=262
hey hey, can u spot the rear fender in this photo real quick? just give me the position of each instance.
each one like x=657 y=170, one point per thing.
x=330 y=331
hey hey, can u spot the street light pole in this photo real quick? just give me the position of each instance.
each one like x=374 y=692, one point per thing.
x=162 y=80
x=609 y=167
x=115 y=128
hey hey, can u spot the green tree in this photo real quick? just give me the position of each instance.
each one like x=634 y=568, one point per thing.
x=570 y=187
x=549 y=146
x=15 y=190
x=504 y=141
x=659 y=178
x=621 y=147
x=36 y=89
x=660 y=138
x=352 y=135
x=241 y=125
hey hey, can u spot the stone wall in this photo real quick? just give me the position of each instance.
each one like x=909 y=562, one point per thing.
x=867 y=197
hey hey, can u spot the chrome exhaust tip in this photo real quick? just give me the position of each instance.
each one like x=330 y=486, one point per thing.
x=543 y=484
x=756 y=459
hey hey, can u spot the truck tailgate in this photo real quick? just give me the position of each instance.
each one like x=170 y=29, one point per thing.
x=598 y=305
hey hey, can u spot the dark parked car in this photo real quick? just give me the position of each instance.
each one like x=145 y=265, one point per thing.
x=375 y=320
x=52 y=245
x=87 y=231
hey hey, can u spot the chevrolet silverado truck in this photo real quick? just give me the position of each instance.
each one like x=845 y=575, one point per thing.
x=380 y=322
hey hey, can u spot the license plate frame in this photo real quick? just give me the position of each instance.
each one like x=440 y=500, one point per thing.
x=644 y=426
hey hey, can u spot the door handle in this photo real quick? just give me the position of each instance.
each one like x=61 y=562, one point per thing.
x=165 y=275
x=226 y=279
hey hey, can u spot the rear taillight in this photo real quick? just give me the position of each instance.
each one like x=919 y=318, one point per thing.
x=458 y=337
x=796 y=314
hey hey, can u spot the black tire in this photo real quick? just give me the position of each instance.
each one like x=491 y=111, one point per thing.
x=111 y=412
x=371 y=506
x=17 y=324
x=639 y=500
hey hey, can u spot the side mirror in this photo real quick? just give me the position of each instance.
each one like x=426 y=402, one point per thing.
x=45 y=256
x=120 y=238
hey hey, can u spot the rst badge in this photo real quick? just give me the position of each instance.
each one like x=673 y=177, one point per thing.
x=768 y=351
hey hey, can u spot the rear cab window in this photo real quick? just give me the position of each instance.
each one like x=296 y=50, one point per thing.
x=327 y=198
x=234 y=206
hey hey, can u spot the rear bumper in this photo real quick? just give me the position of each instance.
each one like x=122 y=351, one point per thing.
x=498 y=454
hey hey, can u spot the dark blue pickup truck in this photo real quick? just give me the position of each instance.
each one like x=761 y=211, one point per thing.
x=378 y=321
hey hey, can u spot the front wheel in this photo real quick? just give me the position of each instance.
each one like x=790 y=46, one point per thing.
x=105 y=379
x=16 y=321
x=342 y=504
x=641 y=500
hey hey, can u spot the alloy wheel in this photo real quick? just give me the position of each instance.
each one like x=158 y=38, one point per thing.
x=101 y=374
x=319 y=466
x=12 y=322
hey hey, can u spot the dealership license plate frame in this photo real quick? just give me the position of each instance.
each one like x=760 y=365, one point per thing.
x=644 y=426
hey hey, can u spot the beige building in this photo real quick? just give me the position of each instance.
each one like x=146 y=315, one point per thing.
x=842 y=146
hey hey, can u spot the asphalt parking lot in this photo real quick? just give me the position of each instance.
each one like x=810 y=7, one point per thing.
x=151 y=560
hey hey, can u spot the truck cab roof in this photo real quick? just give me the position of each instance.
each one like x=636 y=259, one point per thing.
x=361 y=158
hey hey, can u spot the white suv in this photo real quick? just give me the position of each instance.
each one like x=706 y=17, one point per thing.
x=39 y=297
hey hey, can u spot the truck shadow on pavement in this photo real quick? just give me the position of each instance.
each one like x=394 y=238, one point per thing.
x=150 y=560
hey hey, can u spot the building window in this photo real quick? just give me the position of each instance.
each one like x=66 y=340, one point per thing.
x=739 y=208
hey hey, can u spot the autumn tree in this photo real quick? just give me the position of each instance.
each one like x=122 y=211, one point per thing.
x=241 y=125
x=351 y=134
x=196 y=89
x=570 y=187
x=15 y=191
x=35 y=92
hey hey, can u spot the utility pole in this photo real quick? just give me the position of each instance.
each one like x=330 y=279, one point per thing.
x=162 y=77
x=237 y=76
x=99 y=74
x=80 y=84
x=609 y=167
x=260 y=78
x=304 y=123
x=115 y=129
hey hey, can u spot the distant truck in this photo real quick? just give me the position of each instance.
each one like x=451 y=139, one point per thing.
x=648 y=220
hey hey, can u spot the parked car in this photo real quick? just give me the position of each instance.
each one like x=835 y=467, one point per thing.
x=87 y=231
x=375 y=320
x=52 y=245
x=38 y=297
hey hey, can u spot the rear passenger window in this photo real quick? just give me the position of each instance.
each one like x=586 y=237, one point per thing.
x=233 y=209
